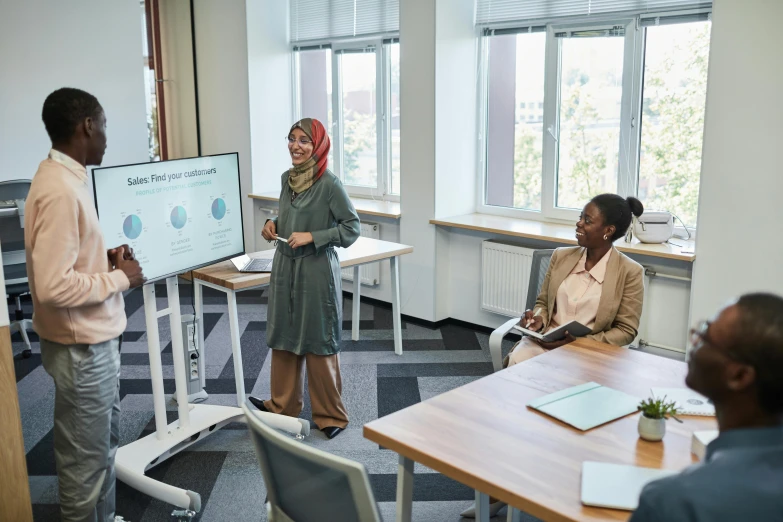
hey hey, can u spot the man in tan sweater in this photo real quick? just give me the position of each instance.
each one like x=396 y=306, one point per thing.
x=79 y=312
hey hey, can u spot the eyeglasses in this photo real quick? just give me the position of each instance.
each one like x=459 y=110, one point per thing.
x=302 y=141
x=699 y=338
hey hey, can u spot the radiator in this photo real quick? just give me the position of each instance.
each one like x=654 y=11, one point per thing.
x=505 y=273
x=371 y=273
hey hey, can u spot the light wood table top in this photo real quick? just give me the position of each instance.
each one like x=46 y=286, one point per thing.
x=365 y=250
x=542 y=230
x=367 y=206
x=482 y=434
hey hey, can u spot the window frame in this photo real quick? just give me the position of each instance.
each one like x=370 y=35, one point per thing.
x=630 y=118
x=380 y=46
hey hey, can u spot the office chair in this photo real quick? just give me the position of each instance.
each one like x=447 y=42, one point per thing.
x=12 y=196
x=538 y=270
x=308 y=485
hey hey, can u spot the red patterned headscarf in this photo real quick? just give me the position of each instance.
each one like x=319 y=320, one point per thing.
x=301 y=177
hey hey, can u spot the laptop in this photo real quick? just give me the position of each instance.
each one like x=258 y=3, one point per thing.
x=245 y=264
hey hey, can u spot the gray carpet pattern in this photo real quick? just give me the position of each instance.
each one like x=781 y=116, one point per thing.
x=223 y=466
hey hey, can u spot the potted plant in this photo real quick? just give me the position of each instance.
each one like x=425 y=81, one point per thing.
x=652 y=421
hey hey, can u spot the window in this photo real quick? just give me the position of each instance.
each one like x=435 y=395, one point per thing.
x=673 y=98
x=514 y=138
x=592 y=107
x=355 y=91
x=347 y=74
x=154 y=97
x=591 y=75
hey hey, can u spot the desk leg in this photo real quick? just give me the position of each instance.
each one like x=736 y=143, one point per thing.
x=482 y=507
x=404 y=489
x=357 y=297
x=198 y=297
x=236 y=349
x=395 y=291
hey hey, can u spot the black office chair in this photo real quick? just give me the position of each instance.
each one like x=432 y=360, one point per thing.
x=12 y=199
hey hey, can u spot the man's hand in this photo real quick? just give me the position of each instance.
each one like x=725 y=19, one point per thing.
x=269 y=232
x=556 y=344
x=300 y=239
x=128 y=254
x=130 y=267
x=531 y=322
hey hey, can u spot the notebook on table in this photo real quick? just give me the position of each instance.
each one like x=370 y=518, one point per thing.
x=616 y=486
x=688 y=401
x=587 y=405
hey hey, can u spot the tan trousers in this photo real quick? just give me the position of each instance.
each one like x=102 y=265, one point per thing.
x=522 y=351
x=324 y=385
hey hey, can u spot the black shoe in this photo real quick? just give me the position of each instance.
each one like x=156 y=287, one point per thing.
x=331 y=431
x=258 y=403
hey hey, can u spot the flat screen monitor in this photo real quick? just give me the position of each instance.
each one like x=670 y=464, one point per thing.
x=177 y=215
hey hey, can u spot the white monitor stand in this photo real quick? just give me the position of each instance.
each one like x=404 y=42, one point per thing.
x=195 y=421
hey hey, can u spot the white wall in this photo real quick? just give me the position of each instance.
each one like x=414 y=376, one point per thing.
x=417 y=156
x=271 y=91
x=93 y=45
x=739 y=248
x=222 y=76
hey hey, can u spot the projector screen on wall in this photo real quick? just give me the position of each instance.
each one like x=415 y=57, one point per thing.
x=177 y=215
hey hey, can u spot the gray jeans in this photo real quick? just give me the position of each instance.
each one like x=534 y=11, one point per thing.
x=86 y=426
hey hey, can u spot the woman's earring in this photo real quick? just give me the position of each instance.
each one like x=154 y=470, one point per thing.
x=605 y=238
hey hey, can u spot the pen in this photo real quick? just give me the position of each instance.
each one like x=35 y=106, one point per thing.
x=278 y=238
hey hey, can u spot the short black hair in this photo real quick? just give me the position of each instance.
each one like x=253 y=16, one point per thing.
x=64 y=109
x=759 y=342
x=617 y=211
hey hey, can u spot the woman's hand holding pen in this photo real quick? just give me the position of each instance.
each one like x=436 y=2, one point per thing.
x=531 y=322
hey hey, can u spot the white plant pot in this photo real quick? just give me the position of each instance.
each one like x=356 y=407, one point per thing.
x=651 y=429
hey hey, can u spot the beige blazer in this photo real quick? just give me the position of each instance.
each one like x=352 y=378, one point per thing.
x=622 y=293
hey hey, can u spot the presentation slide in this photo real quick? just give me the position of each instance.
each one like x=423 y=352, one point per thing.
x=176 y=215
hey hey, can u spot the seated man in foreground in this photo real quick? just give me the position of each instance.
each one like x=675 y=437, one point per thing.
x=737 y=362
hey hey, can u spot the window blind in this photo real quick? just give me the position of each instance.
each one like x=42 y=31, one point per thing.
x=327 y=20
x=502 y=13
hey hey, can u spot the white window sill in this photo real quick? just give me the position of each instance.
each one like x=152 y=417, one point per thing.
x=365 y=206
x=559 y=233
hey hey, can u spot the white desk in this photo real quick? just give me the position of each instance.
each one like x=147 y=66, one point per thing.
x=225 y=278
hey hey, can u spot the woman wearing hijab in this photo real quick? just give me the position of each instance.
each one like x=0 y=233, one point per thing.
x=304 y=316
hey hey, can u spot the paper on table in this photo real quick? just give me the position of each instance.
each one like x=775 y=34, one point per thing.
x=690 y=402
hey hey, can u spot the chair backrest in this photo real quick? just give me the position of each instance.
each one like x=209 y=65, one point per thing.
x=11 y=231
x=306 y=484
x=538 y=270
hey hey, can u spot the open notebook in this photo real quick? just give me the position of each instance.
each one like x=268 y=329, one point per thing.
x=690 y=402
x=587 y=405
x=616 y=486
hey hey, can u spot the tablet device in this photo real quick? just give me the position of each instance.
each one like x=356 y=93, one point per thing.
x=575 y=328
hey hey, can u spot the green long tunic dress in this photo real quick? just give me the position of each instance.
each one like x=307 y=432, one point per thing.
x=305 y=292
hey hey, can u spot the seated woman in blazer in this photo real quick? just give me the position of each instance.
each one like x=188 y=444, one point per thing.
x=593 y=283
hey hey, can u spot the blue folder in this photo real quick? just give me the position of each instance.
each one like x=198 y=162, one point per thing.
x=587 y=405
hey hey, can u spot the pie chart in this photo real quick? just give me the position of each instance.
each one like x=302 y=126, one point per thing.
x=179 y=217
x=218 y=209
x=132 y=226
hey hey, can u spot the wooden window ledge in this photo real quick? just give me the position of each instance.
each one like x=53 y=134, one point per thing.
x=366 y=206
x=564 y=234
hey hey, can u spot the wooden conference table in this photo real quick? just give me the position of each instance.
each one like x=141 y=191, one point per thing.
x=484 y=436
x=225 y=278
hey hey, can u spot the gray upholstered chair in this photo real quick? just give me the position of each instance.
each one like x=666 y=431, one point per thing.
x=306 y=484
x=538 y=270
